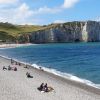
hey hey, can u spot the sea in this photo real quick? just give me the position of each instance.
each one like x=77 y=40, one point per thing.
x=75 y=61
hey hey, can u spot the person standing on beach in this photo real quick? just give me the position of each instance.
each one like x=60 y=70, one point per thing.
x=12 y=61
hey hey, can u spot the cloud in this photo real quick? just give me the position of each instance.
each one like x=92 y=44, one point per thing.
x=97 y=19
x=46 y=9
x=59 y=21
x=21 y=13
x=7 y=1
x=66 y=4
x=69 y=3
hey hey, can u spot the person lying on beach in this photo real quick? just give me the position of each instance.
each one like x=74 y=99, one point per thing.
x=28 y=75
x=4 y=68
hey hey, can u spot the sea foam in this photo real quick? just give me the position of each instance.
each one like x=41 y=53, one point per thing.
x=67 y=76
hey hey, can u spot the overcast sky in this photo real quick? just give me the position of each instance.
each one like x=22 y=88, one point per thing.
x=48 y=11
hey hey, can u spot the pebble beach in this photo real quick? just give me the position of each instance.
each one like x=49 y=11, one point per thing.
x=14 y=85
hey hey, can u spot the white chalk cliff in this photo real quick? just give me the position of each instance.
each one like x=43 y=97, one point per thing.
x=88 y=31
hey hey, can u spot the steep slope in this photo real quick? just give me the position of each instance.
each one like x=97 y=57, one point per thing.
x=88 y=31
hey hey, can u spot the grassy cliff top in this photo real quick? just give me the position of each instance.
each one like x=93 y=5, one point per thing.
x=9 y=31
x=14 y=30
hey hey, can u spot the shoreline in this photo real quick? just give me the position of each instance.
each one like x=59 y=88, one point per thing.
x=2 y=46
x=68 y=76
x=15 y=85
x=48 y=71
x=78 y=84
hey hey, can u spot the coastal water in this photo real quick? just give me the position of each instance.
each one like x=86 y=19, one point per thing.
x=79 y=61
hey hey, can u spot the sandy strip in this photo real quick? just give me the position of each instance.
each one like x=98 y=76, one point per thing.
x=16 y=86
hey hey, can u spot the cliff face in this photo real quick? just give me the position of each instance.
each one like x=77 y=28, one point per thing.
x=68 y=32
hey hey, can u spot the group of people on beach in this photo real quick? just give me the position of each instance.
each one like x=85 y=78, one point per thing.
x=10 y=68
x=43 y=87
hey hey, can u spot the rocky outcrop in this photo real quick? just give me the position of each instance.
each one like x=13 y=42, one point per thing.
x=88 y=31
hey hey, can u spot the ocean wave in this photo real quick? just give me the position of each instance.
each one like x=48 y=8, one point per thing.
x=67 y=76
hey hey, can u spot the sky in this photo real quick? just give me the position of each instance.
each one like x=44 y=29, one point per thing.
x=43 y=12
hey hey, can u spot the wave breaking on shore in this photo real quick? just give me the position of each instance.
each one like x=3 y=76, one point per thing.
x=67 y=76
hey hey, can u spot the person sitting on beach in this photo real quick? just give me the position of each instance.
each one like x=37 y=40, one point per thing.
x=41 y=87
x=9 y=68
x=15 y=68
x=4 y=68
x=19 y=64
x=45 y=88
x=28 y=75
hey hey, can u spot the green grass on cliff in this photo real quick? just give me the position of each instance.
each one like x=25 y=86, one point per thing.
x=14 y=30
x=9 y=31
